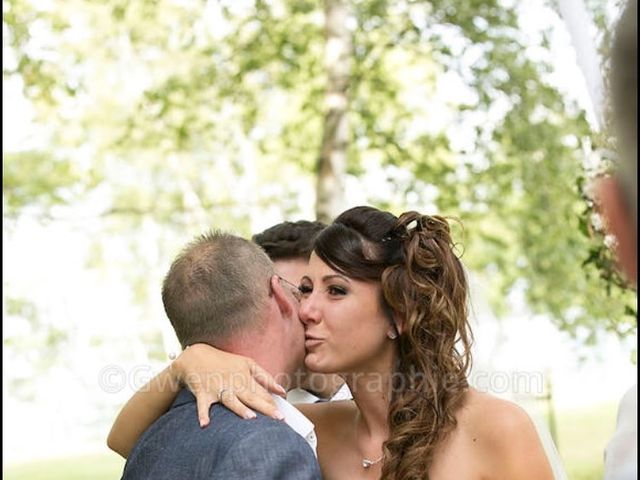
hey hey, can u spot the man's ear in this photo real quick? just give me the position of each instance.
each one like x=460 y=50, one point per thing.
x=621 y=224
x=280 y=296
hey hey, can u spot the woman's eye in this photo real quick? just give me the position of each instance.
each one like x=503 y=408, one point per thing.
x=335 y=290
x=304 y=289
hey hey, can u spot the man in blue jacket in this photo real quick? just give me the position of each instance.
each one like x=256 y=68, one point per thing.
x=222 y=290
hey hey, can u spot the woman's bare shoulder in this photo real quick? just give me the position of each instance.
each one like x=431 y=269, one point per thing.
x=505 y=434
x=490 y=415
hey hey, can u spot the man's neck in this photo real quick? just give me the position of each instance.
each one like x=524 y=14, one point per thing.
x=269 y=357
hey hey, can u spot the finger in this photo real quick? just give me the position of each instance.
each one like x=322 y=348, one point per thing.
x=231 y=401
x=204 y=398
x=204 y=401
x=260 y=403
x=266 y=380
x=255 y=393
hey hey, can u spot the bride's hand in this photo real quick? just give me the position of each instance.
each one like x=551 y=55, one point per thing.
x=237 y=382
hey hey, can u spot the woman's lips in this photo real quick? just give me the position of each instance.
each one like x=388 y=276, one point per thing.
x=310 y=342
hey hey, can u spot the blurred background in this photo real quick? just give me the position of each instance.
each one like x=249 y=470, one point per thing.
x=129 y=127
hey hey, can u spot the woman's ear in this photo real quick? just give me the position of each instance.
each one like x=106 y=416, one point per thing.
x=398 y=320
x=281 y=298
x=398 y=325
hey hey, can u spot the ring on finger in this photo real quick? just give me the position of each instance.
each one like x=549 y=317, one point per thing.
x=222 y=391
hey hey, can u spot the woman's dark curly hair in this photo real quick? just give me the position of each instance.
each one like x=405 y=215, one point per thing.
x=424 y=285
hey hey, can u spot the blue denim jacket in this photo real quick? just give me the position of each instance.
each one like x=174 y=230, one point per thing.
x=176 y=448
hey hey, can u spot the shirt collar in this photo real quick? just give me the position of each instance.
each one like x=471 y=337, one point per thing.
x=298 y=422
x=298 y=395
x=343 y=393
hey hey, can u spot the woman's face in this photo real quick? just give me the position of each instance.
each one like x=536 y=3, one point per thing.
x=345 y=325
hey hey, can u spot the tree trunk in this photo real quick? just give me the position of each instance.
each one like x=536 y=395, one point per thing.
x=333 y=151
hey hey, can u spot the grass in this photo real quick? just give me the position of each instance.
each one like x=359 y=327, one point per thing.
x=96 y=467
x=582 y=437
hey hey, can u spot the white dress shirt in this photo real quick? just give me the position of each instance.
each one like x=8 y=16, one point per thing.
x=298 y=395
x=298 y=422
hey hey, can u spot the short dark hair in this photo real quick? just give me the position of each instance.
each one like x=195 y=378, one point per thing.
x=624 y=96
x=217 y=287
x=289 y=239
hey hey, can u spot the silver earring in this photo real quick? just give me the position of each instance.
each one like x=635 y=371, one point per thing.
x=392 y=335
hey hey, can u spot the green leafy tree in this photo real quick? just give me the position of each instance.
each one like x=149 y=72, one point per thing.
x=199 y=114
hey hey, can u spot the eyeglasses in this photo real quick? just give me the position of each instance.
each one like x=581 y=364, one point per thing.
x=294 y=288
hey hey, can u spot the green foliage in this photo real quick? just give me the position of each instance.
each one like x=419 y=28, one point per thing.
x=201 y=114
x=39 y=179
x=33 y=339
x=22 y=308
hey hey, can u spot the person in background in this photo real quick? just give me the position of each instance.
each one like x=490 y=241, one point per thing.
x=289 y=246
x=618 y=198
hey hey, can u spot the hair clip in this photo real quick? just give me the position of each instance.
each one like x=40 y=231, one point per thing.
x=413 y=224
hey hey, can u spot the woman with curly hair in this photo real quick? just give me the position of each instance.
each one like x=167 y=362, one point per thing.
x=384 y=304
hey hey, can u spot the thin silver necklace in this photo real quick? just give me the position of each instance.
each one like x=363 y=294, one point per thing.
x=366 y=463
